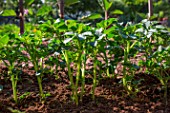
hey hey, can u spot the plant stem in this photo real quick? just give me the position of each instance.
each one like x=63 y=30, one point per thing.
x=14 y=87
x=107 y=64
x=65 y=53
x=77 y=76
x=69 y=69
x=126 y=53
x=39 y=80
x=40 y=87
x=94 y=74
x=14 y=82
x=14 y=79
x=78 y=69
x=165 y=94
x=83 y=76
x=106 y=15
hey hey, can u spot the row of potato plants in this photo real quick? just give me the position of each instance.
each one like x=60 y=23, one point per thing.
x=71 y=42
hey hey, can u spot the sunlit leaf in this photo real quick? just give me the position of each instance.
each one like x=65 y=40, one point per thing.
x=160 y=48
x=3 y=41
x=56 y=53
x=147 y=24
x=153 y=30
x=101 y=37
x=69 y=33
x=160 y=27
x=109 y=30
x=107 y=4
x=81 y=37
x=149 y=35
x=133 y=36
x=164 y=31
x=38 y=73
x=98 y=32
x=1 y=12
x=1 y=88
x=30 y=11
x=8 y=13
x=117 y=12
x=141 y=30
x=92 y=17
x=67 y=40
x=88 y=33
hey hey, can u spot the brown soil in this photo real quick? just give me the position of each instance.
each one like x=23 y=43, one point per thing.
x=110 y=95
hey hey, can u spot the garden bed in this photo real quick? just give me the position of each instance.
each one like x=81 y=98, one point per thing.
x=110 y=96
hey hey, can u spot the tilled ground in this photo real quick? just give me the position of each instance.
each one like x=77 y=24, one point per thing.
x=110 y=95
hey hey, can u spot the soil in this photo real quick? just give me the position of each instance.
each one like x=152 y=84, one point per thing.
x=110 y=96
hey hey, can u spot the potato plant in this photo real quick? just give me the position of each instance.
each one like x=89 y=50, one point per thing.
x=37 y=51
x=156 y=53
x=10 y=54
x=76 y=40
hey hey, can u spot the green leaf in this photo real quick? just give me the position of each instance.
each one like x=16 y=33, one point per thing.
x=38 y=73
x=143 y=15
x=24 y=95
x=87 y=33
x=160 y=27
x=28 y=2
x=160 y=48
x=56 y=53
x=14 y=110
x=9 y=13
x=44 y=10
x=81 y=37
x=154 y=17
x=70 y=2
x=132 y=36
x=3 y=41
x=149 y=35
x=117 y=12
x=107 y=4
x=69 y=33
x=109 y=30
x=140 y=30
x=1 y=12
x=152 y=30
x=92 y=17
x=30 y=11
x=67 y=40
x=124 y=36
x=101 y=37
x=47 y=94
x=98 y=32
